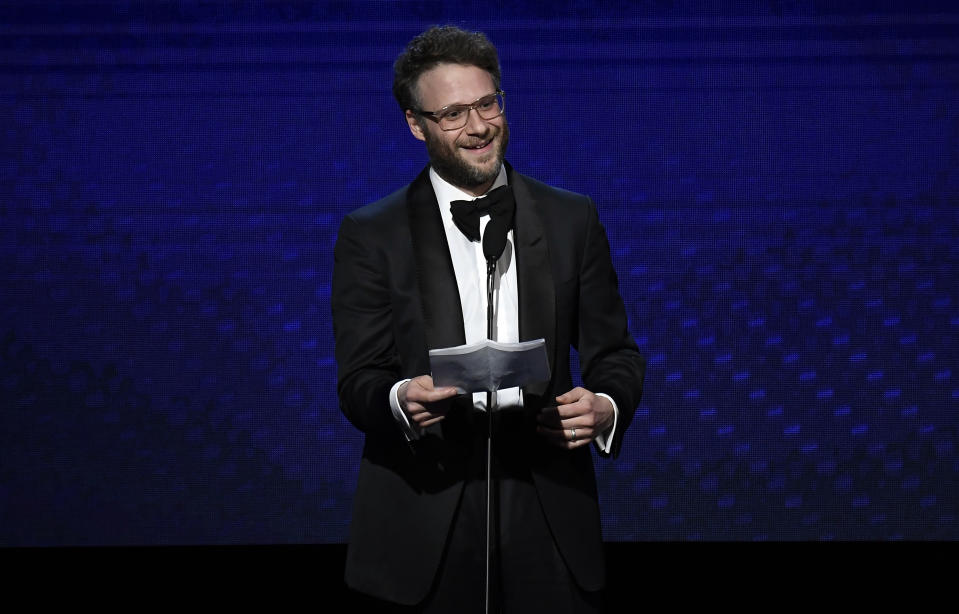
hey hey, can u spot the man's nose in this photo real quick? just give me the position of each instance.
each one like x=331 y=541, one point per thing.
x=475 y=124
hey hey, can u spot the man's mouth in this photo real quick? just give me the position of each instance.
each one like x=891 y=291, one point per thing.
x=479 y=146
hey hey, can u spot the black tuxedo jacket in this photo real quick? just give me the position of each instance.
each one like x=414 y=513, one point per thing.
x=394 y=297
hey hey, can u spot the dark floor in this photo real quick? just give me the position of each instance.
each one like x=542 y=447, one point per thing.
x=640 y=575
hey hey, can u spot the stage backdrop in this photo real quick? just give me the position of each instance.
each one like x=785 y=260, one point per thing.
x=778 y=180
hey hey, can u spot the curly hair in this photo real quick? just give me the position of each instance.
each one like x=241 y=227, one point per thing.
x=441 y=45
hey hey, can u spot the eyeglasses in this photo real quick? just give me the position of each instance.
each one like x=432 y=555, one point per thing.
x=455 y=116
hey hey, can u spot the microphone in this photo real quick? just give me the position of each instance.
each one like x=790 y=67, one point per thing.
x=494 y=238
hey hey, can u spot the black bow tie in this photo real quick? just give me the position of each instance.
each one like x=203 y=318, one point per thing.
x=498 y=204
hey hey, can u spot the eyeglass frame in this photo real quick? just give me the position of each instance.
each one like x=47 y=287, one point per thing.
x=436 y=116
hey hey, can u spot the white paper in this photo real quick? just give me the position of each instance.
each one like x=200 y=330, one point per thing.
x=490 y=365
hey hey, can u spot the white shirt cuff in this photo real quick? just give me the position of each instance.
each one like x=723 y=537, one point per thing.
x=604 y=441
x=400 y=416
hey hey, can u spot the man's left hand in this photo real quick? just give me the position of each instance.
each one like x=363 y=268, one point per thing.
x=577 y=418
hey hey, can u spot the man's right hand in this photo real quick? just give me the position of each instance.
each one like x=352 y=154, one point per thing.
x=424 y=404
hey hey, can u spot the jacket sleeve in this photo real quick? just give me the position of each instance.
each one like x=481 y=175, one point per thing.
x=609 y=359
x=366 y=356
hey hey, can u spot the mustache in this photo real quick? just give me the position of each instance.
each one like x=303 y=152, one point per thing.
x=480 y=140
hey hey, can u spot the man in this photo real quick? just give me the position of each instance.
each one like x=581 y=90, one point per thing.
x=411 y=276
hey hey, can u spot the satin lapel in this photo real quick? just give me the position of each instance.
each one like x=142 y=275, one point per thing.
x=442 y=314
x=537 y=296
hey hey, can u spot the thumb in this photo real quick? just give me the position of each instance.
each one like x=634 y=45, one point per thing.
x=424 y=381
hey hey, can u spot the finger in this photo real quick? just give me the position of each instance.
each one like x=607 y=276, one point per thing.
x=421 y=417
x=425 y=413
x=582 y=421
x=579 y=443
x=430 y=396
x=573 y=395
x=568 y=433
x=562 y=412
x=571 y=410
x=562 y=438
x=428 y=417
x=555 y=421
x=578 y=433
x=425 y=382
x=431 y=421
x=428 y=387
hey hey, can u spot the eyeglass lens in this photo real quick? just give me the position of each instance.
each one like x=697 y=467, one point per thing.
x=456 y=116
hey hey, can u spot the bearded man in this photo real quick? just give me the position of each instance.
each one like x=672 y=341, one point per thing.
x=410 y=276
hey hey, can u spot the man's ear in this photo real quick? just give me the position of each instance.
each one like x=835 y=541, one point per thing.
x=413 y=121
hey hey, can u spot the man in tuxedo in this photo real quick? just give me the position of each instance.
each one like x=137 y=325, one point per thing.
x=410 y=276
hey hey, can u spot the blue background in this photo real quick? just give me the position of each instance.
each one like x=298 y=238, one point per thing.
x=779 y=181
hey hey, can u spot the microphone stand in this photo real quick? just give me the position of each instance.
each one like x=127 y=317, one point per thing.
x=494 y=241
x=490 y=272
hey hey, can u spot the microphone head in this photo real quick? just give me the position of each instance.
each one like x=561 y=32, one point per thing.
x=494 y=238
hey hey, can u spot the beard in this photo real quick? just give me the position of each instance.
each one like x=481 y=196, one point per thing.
x=450 y=164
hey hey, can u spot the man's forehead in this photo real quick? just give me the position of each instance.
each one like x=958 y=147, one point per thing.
x=447 y=84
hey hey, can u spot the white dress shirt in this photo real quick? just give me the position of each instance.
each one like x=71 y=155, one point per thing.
x=469 y=265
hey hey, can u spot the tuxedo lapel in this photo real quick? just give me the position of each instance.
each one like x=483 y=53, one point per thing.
x=442 y=313
x=537 y=296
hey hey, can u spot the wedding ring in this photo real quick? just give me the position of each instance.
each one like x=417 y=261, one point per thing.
x=572 y=434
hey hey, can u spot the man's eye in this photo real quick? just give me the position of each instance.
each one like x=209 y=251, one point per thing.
x=486 y=105
x=452 y=114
